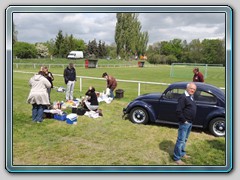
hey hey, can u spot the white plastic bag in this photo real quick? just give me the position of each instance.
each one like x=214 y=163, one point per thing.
x=108 y=92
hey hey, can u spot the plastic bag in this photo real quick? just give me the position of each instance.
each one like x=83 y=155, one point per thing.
x=108 y=91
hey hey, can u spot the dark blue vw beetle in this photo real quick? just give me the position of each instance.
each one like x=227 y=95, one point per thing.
x=161 y=108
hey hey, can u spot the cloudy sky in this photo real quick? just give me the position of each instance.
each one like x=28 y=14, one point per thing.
x=41 y=27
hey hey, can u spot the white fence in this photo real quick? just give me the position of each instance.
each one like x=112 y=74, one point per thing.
x=118 y=80
x=102 y=79
x=37 y=65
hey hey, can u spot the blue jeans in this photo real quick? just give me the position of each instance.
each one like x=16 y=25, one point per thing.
x=183 y=133
x=111 y=94
x=37 y=112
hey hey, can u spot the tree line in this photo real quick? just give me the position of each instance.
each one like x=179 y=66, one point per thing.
x=207 y=51
x=130 y=42
x=59 y=48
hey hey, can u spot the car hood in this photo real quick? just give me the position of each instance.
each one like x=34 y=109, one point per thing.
x=149 y=96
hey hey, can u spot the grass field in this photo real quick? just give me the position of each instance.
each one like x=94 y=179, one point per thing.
x=108 y=140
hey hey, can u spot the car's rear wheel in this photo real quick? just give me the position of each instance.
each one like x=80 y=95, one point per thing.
x=217 y=126
x=139 y=115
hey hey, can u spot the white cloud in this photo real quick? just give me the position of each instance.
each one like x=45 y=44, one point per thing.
x=40 y=27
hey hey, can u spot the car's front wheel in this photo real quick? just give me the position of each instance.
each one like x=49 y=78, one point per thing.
x=217 y=126
x=139 y=115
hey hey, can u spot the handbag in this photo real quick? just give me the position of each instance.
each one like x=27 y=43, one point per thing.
x=81 y=111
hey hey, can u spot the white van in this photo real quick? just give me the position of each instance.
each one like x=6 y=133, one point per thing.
x=75 y=55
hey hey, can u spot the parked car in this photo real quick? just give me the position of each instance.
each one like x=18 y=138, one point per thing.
x=161 y=107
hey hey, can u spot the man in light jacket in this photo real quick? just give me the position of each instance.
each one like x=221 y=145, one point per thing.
x=38 y=96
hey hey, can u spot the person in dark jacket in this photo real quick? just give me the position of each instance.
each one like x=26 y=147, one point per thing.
x=69 y=78
x=50 y=78
x=91 y=102
x=186 y=112
x=111 y=83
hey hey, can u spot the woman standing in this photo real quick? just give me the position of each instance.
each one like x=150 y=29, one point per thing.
x=38 y=95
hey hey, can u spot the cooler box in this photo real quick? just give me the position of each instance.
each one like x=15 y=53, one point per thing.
x=71 y=118
x=60 y=117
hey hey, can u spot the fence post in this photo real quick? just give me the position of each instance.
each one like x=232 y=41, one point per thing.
x=139 y=88
x=80 y=82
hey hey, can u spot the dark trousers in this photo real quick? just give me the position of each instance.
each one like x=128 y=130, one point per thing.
x=37 y=112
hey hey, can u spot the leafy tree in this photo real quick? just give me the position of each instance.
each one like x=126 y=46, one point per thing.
x=141 y=44
x=102 y=51
x=195 y=51
x=79 y=44
x=154 y=58
x=24 y=50
x=185 y=53
x=173 y=47
x=92 y=48
x=111 y=51
x=213 y=51
x=42 y=50
x=51 y=46
x=128 y=36
x=165 y=48
x=209 y=51
x=171 y=59
x=65 y=46
x=176 y=48
x=59 y=51
x=71 y=45
x=14 y=34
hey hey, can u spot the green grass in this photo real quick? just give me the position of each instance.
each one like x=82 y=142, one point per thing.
x=108 y=140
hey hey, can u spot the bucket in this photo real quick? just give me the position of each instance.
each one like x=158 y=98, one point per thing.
x=119 y=93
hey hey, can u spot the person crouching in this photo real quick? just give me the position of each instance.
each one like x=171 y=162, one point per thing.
x=91 y=102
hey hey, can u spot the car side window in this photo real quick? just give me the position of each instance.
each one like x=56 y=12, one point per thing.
x=205 y=97
x=174 y=94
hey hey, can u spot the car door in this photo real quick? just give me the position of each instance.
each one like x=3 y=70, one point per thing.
x=167 y=106
x=206 y=104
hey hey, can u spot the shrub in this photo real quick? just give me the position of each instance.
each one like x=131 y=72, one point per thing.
x=24 y=50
